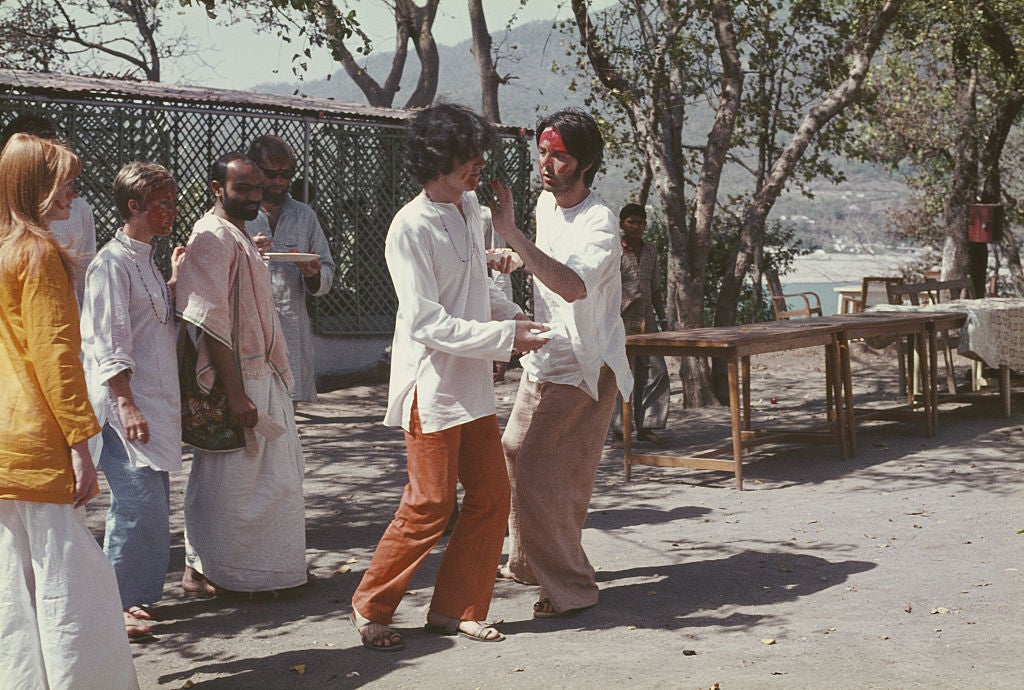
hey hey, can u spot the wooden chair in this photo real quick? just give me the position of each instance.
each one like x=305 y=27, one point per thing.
x=810 y=303
x=873 y=290
x=937 y=292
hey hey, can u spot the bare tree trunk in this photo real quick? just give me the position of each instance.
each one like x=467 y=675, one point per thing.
x=998 y=39
x=411 y=22
x=489 y=79
x=421 y=30
x=657 y=130
x=376 y=94
x=862 y=50
x=964 y=182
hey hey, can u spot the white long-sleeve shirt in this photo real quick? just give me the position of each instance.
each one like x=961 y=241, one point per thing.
x=298 y=229
x=445 y=338
x=79 y=232
x=589 y=331
x=128 y=326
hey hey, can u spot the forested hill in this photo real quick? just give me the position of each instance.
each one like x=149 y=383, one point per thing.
x=849 y=217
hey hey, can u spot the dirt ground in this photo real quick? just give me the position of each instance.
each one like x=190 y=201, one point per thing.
x=898 y=568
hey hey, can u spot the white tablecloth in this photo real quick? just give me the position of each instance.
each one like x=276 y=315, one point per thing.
x=993 y=332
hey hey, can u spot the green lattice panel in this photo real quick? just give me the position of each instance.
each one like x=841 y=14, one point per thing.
x=357 y=169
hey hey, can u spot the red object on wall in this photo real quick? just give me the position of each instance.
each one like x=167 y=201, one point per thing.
x=985 y=223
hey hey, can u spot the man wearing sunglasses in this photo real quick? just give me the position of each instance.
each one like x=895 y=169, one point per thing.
x=286 y=226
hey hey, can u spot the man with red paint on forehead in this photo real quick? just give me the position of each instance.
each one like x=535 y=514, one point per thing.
x=556 y=431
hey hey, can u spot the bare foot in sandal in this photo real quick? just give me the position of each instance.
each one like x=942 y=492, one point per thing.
x=136 y=629
x=376 y=636
x=439 y=624
x=545 y=609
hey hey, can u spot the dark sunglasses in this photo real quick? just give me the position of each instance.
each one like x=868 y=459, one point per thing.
x=285 y=174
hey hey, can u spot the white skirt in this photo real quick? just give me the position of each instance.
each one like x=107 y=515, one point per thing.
x=245 y=524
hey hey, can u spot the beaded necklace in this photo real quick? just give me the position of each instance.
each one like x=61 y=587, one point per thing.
x=142 y=278
x=470 y=244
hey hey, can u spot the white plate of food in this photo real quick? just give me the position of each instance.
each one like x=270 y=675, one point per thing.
x=293 y=257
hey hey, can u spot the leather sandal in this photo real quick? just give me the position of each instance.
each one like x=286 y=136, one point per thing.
x=374 y=635
x=478 y=632
x=140 y=612
x=137 y=630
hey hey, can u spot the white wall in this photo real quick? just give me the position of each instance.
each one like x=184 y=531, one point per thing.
x=336 y=356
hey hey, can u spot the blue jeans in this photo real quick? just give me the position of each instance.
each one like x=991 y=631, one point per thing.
x=138 y=539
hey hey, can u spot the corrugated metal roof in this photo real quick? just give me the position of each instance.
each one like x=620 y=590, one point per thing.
x=71 y=86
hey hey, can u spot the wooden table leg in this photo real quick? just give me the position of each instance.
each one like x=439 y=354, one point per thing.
x=846 y=390
x=627 y=433
x=745 y=382
x=929 y=345
x=734 y=412
x=1004 y=388
x=833 y=371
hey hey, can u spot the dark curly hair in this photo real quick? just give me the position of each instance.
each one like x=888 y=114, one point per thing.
x=443 y=136
x=582 y=138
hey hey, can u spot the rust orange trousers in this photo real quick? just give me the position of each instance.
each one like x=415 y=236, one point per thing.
x=470 y=453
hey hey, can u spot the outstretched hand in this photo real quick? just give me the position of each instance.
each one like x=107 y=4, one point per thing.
x=529 y=336
x=503 y=260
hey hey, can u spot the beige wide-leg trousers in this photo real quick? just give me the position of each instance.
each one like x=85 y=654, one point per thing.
x=553 y=443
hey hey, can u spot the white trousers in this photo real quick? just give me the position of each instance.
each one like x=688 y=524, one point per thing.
x=60 y=612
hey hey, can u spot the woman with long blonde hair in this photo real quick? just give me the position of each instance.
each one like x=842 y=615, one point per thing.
x=60 y=614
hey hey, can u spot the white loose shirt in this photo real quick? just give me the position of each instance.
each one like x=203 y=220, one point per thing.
x=78 y=232
x=298 y=229
x=589 y=331
x=445 y=339
x=128 y=325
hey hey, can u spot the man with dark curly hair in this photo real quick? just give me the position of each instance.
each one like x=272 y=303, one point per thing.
x=450 y=326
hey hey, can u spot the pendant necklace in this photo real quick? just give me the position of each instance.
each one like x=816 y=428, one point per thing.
x=152 y=303
x=470 y=244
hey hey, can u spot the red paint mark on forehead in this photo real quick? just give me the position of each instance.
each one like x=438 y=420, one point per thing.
x=553 y=139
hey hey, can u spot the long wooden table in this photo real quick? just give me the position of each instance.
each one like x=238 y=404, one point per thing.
x=919 y=330
x=736 y=344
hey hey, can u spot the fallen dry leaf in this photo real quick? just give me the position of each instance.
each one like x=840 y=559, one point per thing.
x=768 y=640
x=343 y=569
x=299 y=668
x=784 y=568
x=940 y=609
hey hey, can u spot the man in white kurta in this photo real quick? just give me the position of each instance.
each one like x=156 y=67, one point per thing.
x=555 y=433
x=441 y=395
x=285 y=225
x=244 y=512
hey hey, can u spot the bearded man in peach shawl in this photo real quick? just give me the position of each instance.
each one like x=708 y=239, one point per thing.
x=244 y=512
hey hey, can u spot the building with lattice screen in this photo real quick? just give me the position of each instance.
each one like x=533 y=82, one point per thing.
x=352 y=155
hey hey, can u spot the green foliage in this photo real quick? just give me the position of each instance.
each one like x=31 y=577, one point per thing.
x=315 y=23
x=907 y=117
x=781 y=248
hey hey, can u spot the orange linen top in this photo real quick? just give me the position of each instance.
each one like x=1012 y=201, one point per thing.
x=44 y=407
